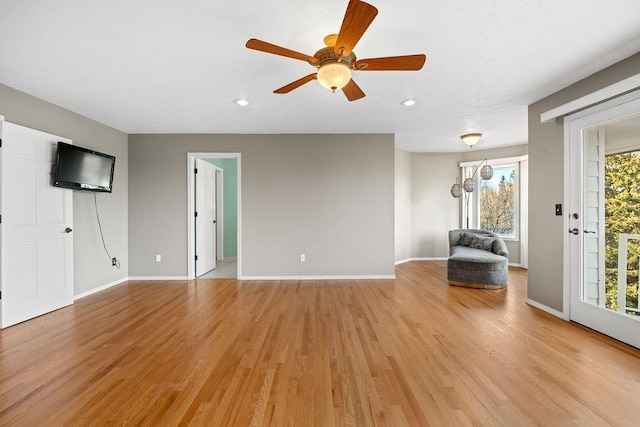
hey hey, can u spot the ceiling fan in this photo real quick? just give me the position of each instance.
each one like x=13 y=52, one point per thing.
x=336 y=61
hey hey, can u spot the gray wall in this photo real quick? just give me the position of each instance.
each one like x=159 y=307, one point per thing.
x=92 y=267
x=434 y=211
x=546 y=177
x=330 y=197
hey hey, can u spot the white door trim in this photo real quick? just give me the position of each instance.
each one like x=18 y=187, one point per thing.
x=219 y=213
x=190 y=206
x=614 y=90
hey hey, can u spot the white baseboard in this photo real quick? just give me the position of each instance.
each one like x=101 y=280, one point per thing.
x=515 y=264
x=547 y=309
x=159 y=278
x=402 y=261
x=98 y=289
x=344 y=277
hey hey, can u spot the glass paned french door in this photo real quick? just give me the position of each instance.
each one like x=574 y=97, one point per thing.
x=604 y=221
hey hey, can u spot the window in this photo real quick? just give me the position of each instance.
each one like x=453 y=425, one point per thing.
x=497 y=208
x=498 y=204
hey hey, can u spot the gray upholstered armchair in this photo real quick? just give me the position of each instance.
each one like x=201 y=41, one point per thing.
x=477 y=259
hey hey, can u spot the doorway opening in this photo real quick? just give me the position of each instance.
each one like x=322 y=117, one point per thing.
x=228 y=236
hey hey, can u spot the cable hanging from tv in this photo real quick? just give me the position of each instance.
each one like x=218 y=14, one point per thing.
x=114 y=261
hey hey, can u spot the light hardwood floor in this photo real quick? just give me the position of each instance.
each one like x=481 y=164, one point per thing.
x=410 y=351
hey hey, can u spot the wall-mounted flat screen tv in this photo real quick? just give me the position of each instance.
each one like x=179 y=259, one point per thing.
x=83 y=169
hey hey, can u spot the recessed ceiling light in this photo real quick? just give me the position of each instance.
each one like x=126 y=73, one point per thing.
x=241 y=102
x=409 y=102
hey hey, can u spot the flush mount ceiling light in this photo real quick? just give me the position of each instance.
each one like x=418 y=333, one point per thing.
x=409 y=102
x=471 y=139
x=241 y=102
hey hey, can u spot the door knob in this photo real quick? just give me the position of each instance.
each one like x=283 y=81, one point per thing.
x=574 y=231
x=68 y=230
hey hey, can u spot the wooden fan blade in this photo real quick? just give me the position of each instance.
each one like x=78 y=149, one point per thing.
x=256 y=44
x=391 y=63
x=294 y=85
x=353 y=91
x=357 y=19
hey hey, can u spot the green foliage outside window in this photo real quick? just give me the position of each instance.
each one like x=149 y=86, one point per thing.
x=622 y=215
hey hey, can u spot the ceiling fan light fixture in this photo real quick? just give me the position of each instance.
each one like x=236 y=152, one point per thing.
x=471 y=139
x=334 y=75
x=335 y=62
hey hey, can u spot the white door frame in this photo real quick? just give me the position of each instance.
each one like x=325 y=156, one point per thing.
x=219 y=213
x=191 y=204
x=573 y=307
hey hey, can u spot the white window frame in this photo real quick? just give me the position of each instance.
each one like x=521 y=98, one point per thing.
x=521 y=193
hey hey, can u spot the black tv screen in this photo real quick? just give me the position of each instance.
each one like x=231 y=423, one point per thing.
x=83 y=169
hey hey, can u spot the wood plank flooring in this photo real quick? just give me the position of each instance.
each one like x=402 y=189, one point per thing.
x=411 y=351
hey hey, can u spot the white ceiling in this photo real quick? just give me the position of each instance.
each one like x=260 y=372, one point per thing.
x=175 y=66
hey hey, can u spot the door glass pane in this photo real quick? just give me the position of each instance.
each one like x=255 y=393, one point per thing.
x=611 y=215
x=622 y=208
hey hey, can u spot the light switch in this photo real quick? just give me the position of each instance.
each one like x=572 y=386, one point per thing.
x=559 y=209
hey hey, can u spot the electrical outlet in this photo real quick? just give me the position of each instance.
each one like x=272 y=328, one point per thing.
x=302 y=258
x=158 y=258
x=114 y=262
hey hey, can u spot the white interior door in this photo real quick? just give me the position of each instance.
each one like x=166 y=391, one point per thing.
x=599 y=269
x=37 y=220
x=205 y=217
